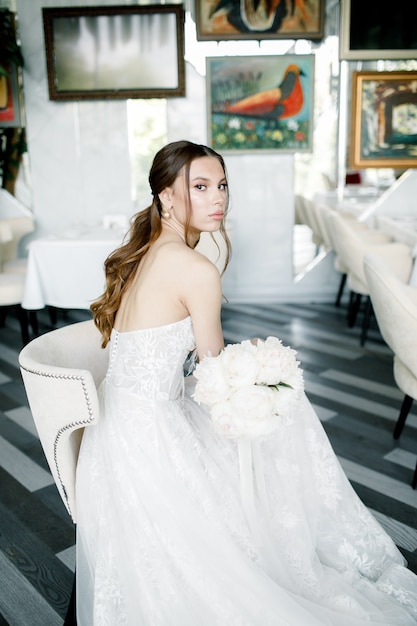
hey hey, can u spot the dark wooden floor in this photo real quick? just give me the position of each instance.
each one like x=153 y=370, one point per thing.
x=351 y=388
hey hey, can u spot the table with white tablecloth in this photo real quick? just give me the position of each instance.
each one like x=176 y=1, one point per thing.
x=353 y=200
x=67 y=271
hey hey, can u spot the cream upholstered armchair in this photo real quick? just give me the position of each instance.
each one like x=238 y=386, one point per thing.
x=18 y=227
x=326 y=213
x=304 y=209
x=352 y=246
x=395 y=306
x=13 y=273
x=11 y=294
x=61 y=371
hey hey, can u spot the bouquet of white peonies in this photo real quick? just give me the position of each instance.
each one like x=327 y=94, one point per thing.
x=250 y=388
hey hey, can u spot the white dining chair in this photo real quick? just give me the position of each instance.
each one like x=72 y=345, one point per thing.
x=395 y=306
x=13 y=273
x=352 y=246
x=361 y=229
x=61 y=372
x=12 y=286
x=11 y=259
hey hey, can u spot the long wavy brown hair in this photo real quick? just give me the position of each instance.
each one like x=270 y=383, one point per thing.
x=121 y=265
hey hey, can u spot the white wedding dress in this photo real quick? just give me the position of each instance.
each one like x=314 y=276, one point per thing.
x=163 y=538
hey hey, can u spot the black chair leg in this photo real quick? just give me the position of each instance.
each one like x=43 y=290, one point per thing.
x=24 y=324
x=414 y=483
x=33 y=322
x=341 y=288
x=53 y=317
x=350 y=306
x=355 y=303
x=366 y=320
x=405 y=409
x=71 y=616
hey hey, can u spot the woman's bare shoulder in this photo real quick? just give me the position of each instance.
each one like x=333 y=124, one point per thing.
x=182 y=257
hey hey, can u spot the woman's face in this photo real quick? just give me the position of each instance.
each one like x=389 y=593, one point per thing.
x=207 y=192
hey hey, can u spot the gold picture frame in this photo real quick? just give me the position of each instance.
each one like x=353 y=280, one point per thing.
x=383 y=130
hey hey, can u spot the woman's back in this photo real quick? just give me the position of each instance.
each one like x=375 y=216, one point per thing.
x=147 y=364
x=157 y=277
x=154 y=297
x=171 y=283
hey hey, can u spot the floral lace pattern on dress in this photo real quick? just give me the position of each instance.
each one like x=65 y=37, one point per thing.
x=163 y=538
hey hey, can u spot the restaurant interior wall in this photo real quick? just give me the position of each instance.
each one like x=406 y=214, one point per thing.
x=80 y=169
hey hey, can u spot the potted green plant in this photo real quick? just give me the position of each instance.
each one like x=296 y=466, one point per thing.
x=9 y=48
x=12 y=140
x=10 y=53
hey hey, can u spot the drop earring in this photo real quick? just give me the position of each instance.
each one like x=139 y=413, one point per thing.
x=166 y=213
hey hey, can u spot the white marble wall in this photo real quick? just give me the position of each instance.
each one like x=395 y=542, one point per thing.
x=80 y=171
x=261 y=216
x=79 y=159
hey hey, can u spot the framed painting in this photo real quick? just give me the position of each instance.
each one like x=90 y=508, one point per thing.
x=115 y=52
x=384 y=120
x=10 y=99
x=371 y=31
x=260 y=103
x=218 y=20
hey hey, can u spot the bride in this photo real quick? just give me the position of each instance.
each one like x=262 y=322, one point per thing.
x=163 y=535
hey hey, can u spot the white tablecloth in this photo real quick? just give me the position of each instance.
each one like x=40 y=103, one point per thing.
x=355 y=199
x=68 y=271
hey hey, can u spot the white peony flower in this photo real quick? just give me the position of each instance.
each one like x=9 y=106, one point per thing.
x=285 y=400
x=223 y=416
x=251 y=411
x=240 y=363
x=275 y=361
x=212 y=385
x=251 y=389
x=296 y=380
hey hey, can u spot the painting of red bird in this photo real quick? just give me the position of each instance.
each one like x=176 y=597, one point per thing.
x=261 y=102
x=283 y=101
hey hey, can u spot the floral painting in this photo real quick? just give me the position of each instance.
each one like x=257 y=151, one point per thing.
x=261 y=103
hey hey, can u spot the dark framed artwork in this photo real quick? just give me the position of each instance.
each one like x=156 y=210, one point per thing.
x=10 y=99
x=384 y=120
x=370 y=30
x=260 y=103
x=115 y=52
x=218 y=20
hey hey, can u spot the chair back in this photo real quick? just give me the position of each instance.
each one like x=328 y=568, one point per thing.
x=19 y=227
x=395 y=307
x=345 y=242
x=61 y=372
x=352 y=245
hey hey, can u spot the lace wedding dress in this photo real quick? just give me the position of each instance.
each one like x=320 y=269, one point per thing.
x=163 y=538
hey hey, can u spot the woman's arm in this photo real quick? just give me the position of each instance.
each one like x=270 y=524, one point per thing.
x=202 y=298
